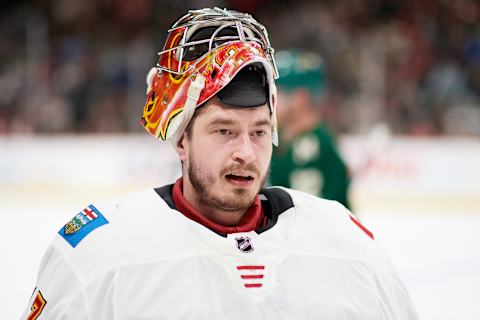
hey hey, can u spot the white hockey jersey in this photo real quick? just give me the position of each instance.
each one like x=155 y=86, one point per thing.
x=138 y=258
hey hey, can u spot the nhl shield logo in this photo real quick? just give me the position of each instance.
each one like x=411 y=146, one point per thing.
x=244 y=244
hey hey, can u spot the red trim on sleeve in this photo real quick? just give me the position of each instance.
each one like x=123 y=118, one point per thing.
x=361 y=226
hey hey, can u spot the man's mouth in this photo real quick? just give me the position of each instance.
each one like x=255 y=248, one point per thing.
x=239 y=178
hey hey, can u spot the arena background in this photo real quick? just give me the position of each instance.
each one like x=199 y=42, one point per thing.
x=402 y=96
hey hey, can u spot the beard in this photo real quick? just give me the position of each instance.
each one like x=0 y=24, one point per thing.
x=240 y=199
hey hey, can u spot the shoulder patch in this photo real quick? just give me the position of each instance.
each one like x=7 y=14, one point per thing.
x=82 y=224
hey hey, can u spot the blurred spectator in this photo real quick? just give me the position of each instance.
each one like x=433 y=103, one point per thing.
x=413 y=64
x=306 y=158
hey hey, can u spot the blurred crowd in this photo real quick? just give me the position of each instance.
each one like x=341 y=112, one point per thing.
x=79 y=66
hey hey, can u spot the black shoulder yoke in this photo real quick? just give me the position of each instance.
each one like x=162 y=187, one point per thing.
x=166 y=193
x=277 y=201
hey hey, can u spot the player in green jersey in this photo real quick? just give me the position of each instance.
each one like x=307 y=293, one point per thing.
x=307 y=158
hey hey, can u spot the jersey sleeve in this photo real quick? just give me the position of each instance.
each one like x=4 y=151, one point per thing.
x=73 y=281
x=395 y=301
x=59 y=293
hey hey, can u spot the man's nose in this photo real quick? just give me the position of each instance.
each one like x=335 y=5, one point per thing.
x=244 y=151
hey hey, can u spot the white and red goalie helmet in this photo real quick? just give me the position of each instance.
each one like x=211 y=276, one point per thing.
x=204 y=51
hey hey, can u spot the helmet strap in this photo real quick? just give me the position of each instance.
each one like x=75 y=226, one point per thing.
x=179 y=123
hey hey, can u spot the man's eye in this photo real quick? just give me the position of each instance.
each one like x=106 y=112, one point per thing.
x=223 y=132
x=260 y=133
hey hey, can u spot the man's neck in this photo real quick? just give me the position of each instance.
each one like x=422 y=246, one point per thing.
x=222 y=217
x=219 y=220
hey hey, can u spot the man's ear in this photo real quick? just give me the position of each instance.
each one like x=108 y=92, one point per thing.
x=181 y=148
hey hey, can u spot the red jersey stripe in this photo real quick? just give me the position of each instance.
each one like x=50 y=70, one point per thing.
x=252 y=276
x=250 y=267
x=368 y=232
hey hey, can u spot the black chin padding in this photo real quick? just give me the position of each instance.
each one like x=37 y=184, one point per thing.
x=248 y=88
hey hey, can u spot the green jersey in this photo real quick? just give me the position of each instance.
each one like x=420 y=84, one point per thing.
x=311 y=163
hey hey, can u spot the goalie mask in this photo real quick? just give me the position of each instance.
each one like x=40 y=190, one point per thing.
x=209 y=52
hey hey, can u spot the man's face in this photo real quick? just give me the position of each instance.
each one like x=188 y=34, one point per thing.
x=227 y=156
